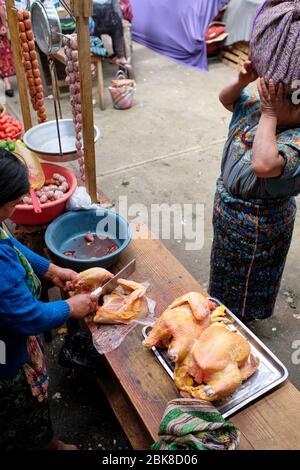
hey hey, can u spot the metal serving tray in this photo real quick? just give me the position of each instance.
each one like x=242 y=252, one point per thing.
x=270 y=373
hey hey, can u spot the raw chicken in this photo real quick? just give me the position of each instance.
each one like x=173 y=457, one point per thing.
x=211 y=361
x=179 y=326
x=89 y=238
x=123 y=307
x=90 y=280
x=221 y=360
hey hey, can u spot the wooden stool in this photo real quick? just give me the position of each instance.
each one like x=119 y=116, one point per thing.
x=96 y=60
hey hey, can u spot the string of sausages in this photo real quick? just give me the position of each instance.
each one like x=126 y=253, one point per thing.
x=32 y=66
x=73 y=79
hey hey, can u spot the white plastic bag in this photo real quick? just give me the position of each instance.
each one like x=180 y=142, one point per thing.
x=80 y=200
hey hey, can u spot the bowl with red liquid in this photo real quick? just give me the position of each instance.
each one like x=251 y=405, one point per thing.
x=86 y=239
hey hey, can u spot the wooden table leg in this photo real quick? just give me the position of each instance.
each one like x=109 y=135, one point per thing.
x=100 y=84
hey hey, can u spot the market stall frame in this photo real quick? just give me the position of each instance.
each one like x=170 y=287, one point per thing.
x=82 y=10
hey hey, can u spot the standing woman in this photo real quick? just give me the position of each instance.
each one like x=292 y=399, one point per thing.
x=255 y=209
x=6 y=59
x=25 y=422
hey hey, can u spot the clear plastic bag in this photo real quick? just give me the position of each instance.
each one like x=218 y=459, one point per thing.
x=107 y=338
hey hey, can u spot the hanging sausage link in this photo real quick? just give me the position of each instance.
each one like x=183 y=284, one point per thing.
x=73 y=79
x=32 y=66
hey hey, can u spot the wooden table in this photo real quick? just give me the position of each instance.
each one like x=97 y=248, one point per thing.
x=138 y=388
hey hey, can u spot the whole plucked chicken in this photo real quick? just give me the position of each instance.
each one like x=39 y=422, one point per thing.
x=211 y=361
x=89 y=280
x=179 y=326
x=122 y=305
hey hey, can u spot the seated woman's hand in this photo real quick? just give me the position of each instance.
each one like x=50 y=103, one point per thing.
x=82 y=305
x=61 y=277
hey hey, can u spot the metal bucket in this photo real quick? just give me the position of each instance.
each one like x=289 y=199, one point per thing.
x=43 y=140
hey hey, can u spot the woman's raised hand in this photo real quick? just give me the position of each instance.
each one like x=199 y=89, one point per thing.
x=248 y=74
x=271 y=101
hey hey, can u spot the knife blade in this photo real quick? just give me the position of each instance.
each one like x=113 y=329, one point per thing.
x=113 y=283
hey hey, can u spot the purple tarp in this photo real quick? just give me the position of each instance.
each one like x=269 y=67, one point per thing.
x=175 y=28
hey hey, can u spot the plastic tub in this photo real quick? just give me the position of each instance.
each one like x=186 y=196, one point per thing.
x=25 y=215
x=64 y=232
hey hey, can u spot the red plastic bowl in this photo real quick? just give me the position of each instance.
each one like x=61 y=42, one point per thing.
x=25 y=215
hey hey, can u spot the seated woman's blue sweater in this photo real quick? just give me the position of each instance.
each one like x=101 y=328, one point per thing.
x=21 y=315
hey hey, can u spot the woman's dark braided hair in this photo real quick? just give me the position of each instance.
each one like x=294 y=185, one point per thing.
x=14 y=181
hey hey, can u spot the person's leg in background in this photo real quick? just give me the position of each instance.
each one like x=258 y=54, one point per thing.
x=117 y=37
x=8 y=87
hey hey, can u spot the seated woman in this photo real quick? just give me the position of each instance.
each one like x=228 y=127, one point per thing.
x=25 y=422
x=108 y=20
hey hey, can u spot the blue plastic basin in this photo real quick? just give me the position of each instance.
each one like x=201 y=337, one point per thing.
x=63 y=232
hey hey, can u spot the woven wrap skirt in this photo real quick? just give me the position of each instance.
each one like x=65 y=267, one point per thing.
x=251 y=242
x=25 y=423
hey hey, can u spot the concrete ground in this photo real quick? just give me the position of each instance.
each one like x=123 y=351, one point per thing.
x=167 y=149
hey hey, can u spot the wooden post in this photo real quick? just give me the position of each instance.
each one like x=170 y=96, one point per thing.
x=12 y=20
x=82 y=10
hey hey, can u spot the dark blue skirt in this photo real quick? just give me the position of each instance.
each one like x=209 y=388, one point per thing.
x=251 y=243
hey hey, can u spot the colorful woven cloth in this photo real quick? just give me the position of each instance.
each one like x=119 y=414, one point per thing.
x=7 y=68
x=25 y=422
x=126 y=9
x=251 y=242
x=195 y=425
x=275 y=42
x=97 y=47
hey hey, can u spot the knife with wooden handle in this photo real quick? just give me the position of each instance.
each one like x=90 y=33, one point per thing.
x=113 y=283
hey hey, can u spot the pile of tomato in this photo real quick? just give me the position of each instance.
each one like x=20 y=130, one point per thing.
x=10 y=129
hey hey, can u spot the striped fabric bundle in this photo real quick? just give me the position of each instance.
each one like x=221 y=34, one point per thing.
x=195 y=425
x=275 y=43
